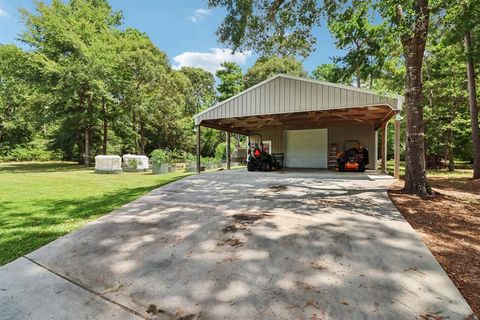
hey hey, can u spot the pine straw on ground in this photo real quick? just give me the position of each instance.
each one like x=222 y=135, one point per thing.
x=449 y=224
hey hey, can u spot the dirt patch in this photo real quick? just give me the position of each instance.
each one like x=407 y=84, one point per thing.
x=249 y=218
x=326 y=202
x=449 y=224
x=242 y=221
x=182 y=315
x=152 y=309
x=232 y=242
x=179 y=314
x=278 y=187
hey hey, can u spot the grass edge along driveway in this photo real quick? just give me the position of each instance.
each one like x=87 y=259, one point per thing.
x=40 y=202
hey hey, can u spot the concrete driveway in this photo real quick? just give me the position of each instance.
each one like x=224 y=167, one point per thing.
x=239 y=245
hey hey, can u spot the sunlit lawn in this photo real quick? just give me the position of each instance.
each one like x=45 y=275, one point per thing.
x=40 y=202
x=461 y=170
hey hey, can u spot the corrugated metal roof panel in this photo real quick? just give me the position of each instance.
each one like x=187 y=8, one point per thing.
x=287 y=94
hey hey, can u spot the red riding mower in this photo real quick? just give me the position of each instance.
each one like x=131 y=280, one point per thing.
x=259 y=160
x=352 y=159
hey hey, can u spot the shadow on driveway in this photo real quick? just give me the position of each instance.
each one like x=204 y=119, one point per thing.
x=238 y=245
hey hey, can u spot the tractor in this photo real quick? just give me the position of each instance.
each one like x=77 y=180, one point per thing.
x=352 y=159
x=258 y=159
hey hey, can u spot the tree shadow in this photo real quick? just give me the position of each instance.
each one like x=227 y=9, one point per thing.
x=174 y=248
x=24 y=232
x=30 y=167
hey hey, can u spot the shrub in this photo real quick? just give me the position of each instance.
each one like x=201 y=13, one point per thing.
x=161 y=156
x=35 y=150
x=210 y=162
x=181 y=156
x=220 y=151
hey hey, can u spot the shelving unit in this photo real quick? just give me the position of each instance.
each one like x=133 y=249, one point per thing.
x=332 y=155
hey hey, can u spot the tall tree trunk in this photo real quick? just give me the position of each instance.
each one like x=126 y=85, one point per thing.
x=105 y=128
x=414 y=48
x=79 y=145
x=472 y=94
x=81 y=111
x=142 y=138
x=449 y=150
x=87 y=147
x=134 y=124
x=451 y=159
x=87 y=130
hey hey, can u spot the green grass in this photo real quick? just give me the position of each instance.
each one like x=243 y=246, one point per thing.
x=461 y=170
x=40 y=202
x=391 y=167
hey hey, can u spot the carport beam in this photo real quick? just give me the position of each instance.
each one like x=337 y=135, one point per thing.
x=197 y=131
x=384 y=148
x=228 y=150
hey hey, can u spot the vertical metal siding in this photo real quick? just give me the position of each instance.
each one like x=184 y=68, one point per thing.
x=278 y=96
x=254 y=102
x=291 y=93
x=275 y=135
x=309 y=96
x=324 y=94
x=314 y=96
x=284 y=95
x=338 y=97
x=348 y=99
x=331 y=99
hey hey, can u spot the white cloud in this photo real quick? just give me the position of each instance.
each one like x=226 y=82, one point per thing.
x=3 y=13
x=209 y=61
x=199 y=14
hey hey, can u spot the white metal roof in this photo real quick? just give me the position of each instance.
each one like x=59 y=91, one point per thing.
x=288 y=94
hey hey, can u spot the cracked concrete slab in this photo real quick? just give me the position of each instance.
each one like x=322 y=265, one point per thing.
x=269 y=245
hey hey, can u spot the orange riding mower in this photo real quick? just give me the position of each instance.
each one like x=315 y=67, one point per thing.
x=352 y=159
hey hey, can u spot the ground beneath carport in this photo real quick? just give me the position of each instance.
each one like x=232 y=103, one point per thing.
x=239 y=245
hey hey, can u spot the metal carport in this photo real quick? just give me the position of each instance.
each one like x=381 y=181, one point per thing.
x=284 y=103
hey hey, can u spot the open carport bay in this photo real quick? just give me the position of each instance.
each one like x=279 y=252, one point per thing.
x=237 y=245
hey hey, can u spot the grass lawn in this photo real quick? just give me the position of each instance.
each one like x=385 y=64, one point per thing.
x=461 y=170
x=40 y=202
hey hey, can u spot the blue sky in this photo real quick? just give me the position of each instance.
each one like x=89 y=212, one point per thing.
x=184 y=29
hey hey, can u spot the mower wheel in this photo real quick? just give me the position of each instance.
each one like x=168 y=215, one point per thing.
x=250 y=166
x=341 y=166
x=361 y=167
x=263 y=166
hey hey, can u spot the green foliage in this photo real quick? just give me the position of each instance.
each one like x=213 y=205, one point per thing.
x=35 y=150
x=200 y=92
x=133 y=163
x=209 y=140
x=221 y=151
x=352 y=26
x=21 y=102
x=270 y=26
x=266 y=67
x=179 y=156
x=231 y=80
x=85 y=74
x=331 y=73
x=210 y=162
x=160 y=156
